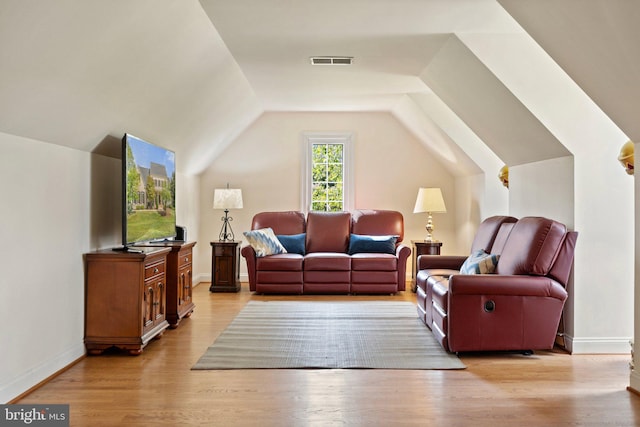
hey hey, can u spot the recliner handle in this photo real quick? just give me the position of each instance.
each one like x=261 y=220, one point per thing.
x=489 y=306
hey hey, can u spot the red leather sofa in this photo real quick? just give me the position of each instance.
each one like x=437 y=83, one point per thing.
x=518 y=307
x=327 y=266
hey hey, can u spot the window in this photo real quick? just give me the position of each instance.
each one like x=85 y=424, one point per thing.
x=327 y=172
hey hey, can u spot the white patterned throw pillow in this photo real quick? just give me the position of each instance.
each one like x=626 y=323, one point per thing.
x=264 y=242
x=480 y=262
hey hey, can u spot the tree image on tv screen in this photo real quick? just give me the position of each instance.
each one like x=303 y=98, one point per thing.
x=150 y=191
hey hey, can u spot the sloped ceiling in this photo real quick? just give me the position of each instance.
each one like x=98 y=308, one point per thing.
x=477 y=96
x=596 y=44
x=391 y=42
x=76 y=72
x=191 y=75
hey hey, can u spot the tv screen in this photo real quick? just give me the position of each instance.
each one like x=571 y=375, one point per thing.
x=149 y=192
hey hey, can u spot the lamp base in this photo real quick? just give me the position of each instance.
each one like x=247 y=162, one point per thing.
x=226 y=233
x=430 y=228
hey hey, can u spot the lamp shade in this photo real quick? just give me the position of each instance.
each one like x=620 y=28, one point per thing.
x=429 y=200
x=227 y=198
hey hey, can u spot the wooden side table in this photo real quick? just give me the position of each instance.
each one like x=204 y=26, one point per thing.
x=422 y=247
x=225 y=267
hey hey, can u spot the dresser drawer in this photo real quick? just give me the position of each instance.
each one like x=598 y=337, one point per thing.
x=154 y=268
x=223 y=250
x=184 y=258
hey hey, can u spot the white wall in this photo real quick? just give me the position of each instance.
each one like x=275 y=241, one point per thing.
x=59 y=203
x=589 y=193
x=265 y=162
x=45 y=229
x=543 y=189
x=188 y=214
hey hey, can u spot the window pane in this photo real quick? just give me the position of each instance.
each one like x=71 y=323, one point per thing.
x=318 y=206
x=335 y=192
x=319 y=172
x=335 y=207
x=319 y=192
x=334 y=153
x=334 y=173
x=319 y=153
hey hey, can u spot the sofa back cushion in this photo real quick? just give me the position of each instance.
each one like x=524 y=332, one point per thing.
x=532 y=247
x=378 y=223
x=328 y=231
x=288 y=222
x=562 y=267
x=501 y=238
x=487 y=231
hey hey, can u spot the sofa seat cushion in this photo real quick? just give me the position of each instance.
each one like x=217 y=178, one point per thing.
x=374 y=262
x=280 y=262
x=423 y=276
x=327 y=261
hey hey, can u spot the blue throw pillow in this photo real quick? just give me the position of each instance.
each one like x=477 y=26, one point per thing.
x=480 y=262
x=293 y=243
x=359 y=243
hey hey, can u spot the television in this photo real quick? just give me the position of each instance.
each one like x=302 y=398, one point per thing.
x=148 y=192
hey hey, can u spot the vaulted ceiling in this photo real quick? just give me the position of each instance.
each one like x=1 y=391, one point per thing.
x=192 y=75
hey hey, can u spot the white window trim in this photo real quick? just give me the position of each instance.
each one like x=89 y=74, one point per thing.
x=310 y=138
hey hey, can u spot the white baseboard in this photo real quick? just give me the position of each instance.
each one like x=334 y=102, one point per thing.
x=598 y=345
x=23 y=382
x=634 y=381
x=244 y=278
x=201 y=278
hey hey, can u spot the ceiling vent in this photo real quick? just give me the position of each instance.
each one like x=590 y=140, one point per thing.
x=331 y=60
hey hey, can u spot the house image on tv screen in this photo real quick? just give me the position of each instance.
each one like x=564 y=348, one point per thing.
x=150 y=191
x=153 y=187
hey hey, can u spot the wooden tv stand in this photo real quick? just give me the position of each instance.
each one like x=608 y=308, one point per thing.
x=125 y=298
x=179 y=280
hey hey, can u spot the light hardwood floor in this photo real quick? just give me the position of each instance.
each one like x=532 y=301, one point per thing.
x=158 y=387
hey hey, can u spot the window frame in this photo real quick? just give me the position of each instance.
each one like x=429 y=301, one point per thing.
x=346 y=140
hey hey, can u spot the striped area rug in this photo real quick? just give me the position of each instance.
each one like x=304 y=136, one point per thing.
x=332 y=335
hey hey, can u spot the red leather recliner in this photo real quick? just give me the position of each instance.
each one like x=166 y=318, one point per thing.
x=517 y=308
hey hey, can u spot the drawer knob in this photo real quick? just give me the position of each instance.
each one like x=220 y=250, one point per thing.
x=155 y=270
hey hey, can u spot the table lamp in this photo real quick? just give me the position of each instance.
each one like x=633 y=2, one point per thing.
x=429 y=200
x=227 y=198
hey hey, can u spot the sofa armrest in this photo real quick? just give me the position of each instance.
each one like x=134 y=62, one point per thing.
x=446 y=262
x=402 y=252
x=496 y=284
x=249 y=255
